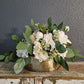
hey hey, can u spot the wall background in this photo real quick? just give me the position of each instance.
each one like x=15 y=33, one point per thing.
x=15 y=14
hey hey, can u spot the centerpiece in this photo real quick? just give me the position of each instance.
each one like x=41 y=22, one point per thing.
x=43 y=48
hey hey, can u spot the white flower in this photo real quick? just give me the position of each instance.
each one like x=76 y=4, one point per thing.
x=39 y=35
x=55 y=31
x=22 y=53
x=62 y=54
x=39 y=53
x=49 y=40
x=66 y=28
x=63 y=39
x=36 y=24
x=33 y=37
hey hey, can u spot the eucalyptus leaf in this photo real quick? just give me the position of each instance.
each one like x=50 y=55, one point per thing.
x=7 y=53
x=19 y=65
x=70 y=53
x=21 y=46
x=32 y=22
x=15 y=38
x=7 y=59
x=13 y=57
x=76 y=53
x=73 y=59
x=2 y=57
x=27 y=33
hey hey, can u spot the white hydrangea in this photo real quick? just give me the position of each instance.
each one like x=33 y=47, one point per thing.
x=22 y=53
x=39 y=53
x=39 y=35
x=63 y=39
x=49 y=40
x=62 y=54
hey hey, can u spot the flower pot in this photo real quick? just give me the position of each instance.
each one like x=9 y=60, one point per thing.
x=44 y=66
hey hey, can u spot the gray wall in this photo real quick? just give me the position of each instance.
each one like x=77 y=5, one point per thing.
x=15 y=14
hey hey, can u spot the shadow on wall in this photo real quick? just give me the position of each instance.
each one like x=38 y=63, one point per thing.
x=8 y=44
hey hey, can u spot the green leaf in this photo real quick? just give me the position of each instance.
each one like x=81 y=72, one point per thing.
x=60 y=26
x=27 y=33
x=15 y=38
x=64 y=64
x=32 y=22
x=70 y=53
x=30 y=49
x=73 y=59
x=40 y=27
x=7 y=53
x=13 y=57
x=49 y=21
x=76 y=53
x=21 y=46
x=51 y=28
x=68 y=45
x=7 y=59
x=18 y=67
x=27 y=60
x=60 y=47
x=2 y=57
x=57 y=59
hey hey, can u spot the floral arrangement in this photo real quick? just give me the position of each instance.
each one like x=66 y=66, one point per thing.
x=42 y=42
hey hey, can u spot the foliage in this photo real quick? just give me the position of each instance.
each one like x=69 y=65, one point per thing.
x=32 y=22
x=16 y=38
x=19 y=65
x=60 y=47
x=21 y=46
x=27 y=33
x=62 y=62
x=30 y=49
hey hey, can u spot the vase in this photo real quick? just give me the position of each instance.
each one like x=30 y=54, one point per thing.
x=44 y=66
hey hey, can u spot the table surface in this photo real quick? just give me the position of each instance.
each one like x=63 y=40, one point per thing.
x=76 y=71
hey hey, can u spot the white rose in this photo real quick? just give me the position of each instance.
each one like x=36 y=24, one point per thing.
x=63 y=38
x=39 y=53
x=39 y=35
x=49 y=40
x=22 y=53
